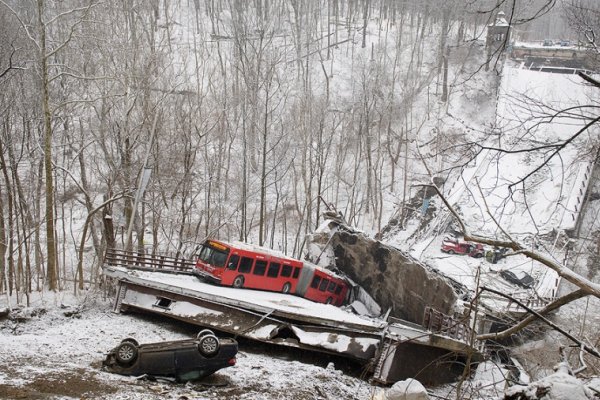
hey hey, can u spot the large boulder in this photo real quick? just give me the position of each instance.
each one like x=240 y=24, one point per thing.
x=409 y=389
x=558 y=386
x=394 y=279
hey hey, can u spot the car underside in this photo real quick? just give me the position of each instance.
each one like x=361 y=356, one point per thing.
x=184 y=360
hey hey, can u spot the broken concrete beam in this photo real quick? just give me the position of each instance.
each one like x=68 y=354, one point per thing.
x=392 y=278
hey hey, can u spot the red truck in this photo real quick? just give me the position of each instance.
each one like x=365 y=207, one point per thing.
x=453 y=246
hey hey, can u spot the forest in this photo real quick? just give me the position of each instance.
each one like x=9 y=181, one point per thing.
x=225 y=118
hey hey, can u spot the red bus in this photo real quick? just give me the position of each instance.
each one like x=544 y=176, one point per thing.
x=243 y=265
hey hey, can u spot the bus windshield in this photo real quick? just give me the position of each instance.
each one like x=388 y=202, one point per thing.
x=212 y=256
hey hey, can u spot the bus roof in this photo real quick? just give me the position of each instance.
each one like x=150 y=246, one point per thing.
x=254 y=248
x=275 y=253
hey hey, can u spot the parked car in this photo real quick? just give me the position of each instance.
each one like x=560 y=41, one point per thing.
x=520 y=278
x=453 y=246
x=183 y=360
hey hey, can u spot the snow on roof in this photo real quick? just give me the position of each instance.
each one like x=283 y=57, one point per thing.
x=278 y=254
x=500 y=20
x=545 y=45
x=260 y=249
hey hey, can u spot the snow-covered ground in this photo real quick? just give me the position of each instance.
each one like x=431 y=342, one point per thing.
x=54 y=350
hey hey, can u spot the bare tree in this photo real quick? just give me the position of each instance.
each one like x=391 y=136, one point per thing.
x=504 y=239
x=584 y=17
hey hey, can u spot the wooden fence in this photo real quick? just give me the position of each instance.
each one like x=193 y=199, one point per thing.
x=150 y=262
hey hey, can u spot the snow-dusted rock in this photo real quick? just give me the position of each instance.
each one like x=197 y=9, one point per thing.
x=409 y=389
x=394 y=279
x=558 y=386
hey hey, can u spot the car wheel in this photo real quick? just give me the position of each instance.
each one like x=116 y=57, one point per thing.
x=450 y=251
x=329 y=300
x=238 y=282
x=209 y=345
x=131 y=340
x=203 y=333
x=126 y=353
x=286 y=288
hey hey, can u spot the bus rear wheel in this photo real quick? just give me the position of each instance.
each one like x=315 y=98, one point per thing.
x=238 y=282
x=286 y=288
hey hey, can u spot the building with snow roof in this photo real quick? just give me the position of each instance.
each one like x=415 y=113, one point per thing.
x=498 y=37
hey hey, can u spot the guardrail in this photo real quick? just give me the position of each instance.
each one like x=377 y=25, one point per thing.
x=533 y=302
x=438 y=322
x=150 y=262
x=577 y=196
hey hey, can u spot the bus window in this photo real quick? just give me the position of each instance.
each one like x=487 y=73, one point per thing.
x=286 y=271
x=338 y=289
x=259 y=268
x=331 y=287
x=233 y=262
x=315 y=282
x=297 y=272
x=273 y=271
x=245 y=265
x=213 y=257
x=323 y=285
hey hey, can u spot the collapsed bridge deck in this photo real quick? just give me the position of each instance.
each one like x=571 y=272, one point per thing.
x=170 y=289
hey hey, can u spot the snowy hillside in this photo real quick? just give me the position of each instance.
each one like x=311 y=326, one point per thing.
x=524 y=196
x=523 y=182
x=151 y=125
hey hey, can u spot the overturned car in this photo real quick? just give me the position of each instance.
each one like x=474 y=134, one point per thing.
x=184 y=360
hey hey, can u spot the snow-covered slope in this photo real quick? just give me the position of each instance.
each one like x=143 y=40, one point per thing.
x=529 y=192
x=528 y=181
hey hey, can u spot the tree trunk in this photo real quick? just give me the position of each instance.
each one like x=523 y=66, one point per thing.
x=4 y=286
x=365 y=21
x=51 y=268
x=263 y=175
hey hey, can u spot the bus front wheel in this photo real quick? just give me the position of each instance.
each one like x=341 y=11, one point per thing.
x=286 y=288
x=238 y=282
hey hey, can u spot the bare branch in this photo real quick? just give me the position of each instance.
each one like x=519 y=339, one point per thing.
x=589 y=79
x=558 y=149
x=71 y=11
x=584 y=346
x=586 y=285
x=10 y=64
x=561 y=301
x=85 y=10
x=23 y=25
